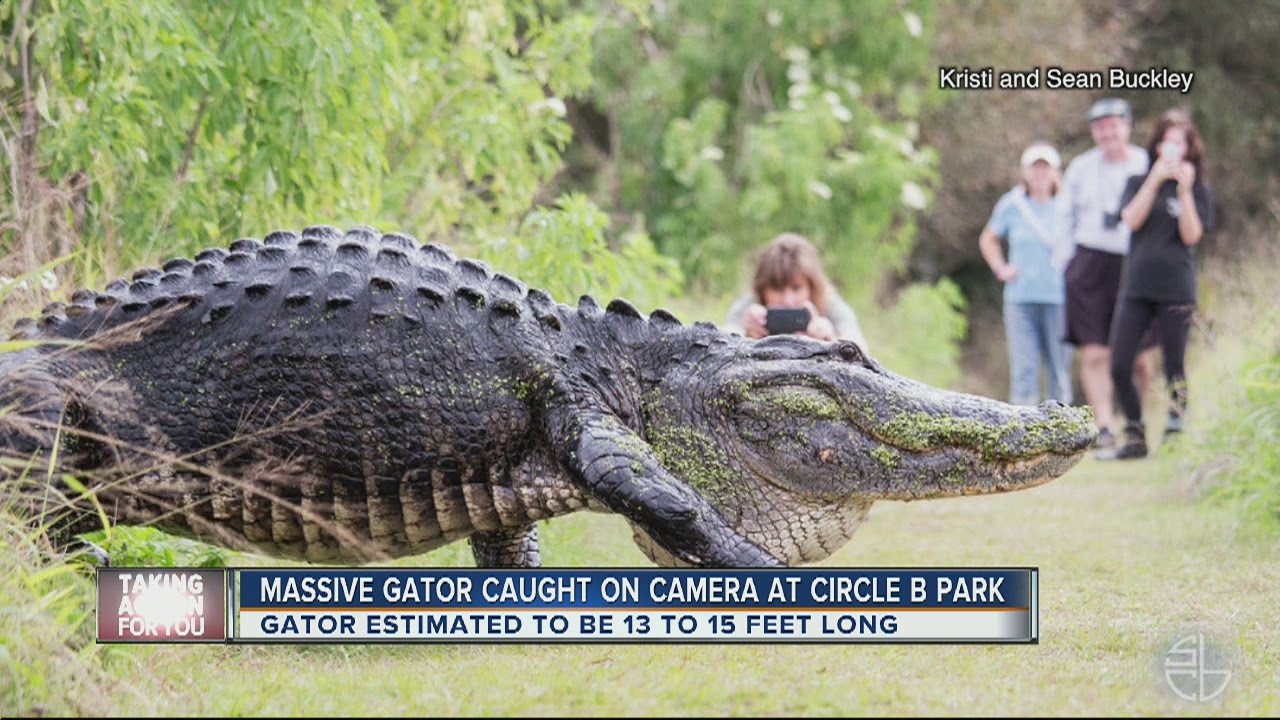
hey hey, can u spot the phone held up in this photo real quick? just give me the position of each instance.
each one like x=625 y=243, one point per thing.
x=785 y=320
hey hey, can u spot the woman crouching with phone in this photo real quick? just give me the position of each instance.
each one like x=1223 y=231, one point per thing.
x=790 y=294
x=1168 y=210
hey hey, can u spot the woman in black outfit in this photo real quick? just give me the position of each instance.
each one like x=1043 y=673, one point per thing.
x=1169 y=209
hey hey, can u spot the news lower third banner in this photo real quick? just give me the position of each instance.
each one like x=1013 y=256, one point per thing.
x=825 y=605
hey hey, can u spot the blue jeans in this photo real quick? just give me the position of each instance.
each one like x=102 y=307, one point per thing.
x=1034 y=331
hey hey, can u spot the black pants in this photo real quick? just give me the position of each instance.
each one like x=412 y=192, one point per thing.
x=1132 y=319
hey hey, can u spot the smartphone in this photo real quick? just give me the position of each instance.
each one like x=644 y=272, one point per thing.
x=1171 y=151
x=784 y=320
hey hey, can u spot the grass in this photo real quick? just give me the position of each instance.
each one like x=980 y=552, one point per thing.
x=1235 y=393
x=1130 y=560
x=1128 y=564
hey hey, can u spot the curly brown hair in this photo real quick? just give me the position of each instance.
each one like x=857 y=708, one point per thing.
x=785 y=256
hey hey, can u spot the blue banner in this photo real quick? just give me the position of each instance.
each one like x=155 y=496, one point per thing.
x=623 y=588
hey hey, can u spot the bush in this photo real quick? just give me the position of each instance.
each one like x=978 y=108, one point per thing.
x=1234 y=453
x=919 y=336
x=1240 y=451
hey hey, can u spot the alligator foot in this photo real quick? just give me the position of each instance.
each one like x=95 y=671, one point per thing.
x=620 y=469
x=508 y=548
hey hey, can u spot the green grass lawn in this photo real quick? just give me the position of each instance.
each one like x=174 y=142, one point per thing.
x=1128 y=564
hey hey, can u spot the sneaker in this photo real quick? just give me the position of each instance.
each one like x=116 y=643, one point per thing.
x=1105 y=440
x=1173 y=428
x=1135 y=443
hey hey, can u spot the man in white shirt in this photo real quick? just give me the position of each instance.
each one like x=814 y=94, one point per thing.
x=1093 y=248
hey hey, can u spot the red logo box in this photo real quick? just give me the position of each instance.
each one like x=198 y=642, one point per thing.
x=161 y=605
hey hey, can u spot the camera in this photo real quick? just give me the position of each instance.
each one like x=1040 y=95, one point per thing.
x=785 y=320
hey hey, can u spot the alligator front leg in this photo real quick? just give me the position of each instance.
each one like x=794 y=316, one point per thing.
x=620 y=469
x=507 y=548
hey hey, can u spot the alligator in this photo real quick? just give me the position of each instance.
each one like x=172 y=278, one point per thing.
x=353 y=396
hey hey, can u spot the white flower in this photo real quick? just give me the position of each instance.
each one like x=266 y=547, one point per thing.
x=798 y=73
x=853 y=89
x=797 y=104
x=831 y=98
x=914 y=25
x=553 y=105
x=913 y=196
x=774 y=18
x=81 y=106
x=711 y=152
x=796 y=54
x=913 y=129
x=852 y=157
x=48 y=281
x=821 y=189
x=905 y=147
x=842 y=113
x=799 y=90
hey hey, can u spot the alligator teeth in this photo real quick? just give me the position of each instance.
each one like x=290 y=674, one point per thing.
x=1013 y=466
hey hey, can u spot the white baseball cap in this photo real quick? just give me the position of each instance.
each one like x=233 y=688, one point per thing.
x=1041 y=151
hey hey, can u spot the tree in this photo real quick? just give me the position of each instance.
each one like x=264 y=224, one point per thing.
x=720 y=125
x=724 y=124
x=181 y=125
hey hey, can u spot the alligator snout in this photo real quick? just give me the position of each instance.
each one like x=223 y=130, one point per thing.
x=1049 y=427
x=1070 y=429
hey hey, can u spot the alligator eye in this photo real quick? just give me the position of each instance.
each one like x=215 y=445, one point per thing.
x=850 y=352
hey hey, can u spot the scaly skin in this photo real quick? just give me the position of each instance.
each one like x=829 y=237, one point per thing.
x=356 y=396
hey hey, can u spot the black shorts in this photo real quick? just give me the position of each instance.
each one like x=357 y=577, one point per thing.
x=1093 y=287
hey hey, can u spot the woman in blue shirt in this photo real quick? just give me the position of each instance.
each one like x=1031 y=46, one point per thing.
x=1033 y=289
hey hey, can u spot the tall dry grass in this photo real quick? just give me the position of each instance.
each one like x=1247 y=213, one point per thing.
x=1233 y=449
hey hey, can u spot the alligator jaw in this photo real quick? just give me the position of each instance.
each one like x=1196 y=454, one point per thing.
x=959 y=471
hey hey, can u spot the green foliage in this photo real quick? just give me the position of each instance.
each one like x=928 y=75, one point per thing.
x=148 y=547
x=733 y=122
x=48 y=661
x=920 y=335
x=195 y=123
x=566 y=247
x=199 y=121
x=481 y=116
x=1242 y=447
x=1232 y=448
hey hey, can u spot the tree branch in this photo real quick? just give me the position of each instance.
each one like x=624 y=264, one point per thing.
x=25 y=192
x=193 y=134
x=190 y=149
x=19 y=23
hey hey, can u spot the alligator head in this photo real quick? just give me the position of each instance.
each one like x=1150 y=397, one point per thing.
x=791 y=440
